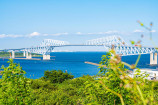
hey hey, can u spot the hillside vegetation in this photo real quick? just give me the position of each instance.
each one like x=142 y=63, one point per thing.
x=112 y=86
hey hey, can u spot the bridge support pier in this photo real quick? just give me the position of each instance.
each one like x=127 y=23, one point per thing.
x=28 y=56
x=153 y=60
x=46 y=57
x=13 y=54
x=24 y=54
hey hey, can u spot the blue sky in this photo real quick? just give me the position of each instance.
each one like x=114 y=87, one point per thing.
x=25 y=23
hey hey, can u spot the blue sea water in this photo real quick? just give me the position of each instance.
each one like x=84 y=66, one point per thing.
x=73 y=62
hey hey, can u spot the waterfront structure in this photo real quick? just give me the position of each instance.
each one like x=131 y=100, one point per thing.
x=111 y=42
x=152 y=73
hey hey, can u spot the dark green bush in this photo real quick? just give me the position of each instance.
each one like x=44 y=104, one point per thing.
x=56 y=76
x=39 y=83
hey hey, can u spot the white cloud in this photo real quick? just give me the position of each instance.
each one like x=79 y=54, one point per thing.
x=100 y=33
x=58 y=34
x=153 y=31
x=9 y=35
x=2 y=36
x=111 y=32
x=138 y=31
x=45 y=34
x=34 y=34
x=79 y=33
x=103 y=33
x=91 y=33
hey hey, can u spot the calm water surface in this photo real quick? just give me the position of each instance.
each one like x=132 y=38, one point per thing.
x=73 y=62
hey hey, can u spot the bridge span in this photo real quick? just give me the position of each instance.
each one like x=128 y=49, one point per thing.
x=116 y=42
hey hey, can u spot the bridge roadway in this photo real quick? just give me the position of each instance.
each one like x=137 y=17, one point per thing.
x=40 y=47
x=123 y=50
x=116 y=42
x=18 y=49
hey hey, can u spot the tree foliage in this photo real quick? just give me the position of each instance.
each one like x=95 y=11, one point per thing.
x=57 y=76
x=14 y=87
x=111 y=86
x=125 y=89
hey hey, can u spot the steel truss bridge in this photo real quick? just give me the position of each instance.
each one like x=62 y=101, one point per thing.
x=109 y=42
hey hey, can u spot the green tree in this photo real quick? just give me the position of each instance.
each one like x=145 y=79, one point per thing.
x=57 y=76
x=14 y=87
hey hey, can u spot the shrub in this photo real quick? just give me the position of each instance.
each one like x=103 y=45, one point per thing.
x=14 y=87
x=39 y=83
x=57 y=76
